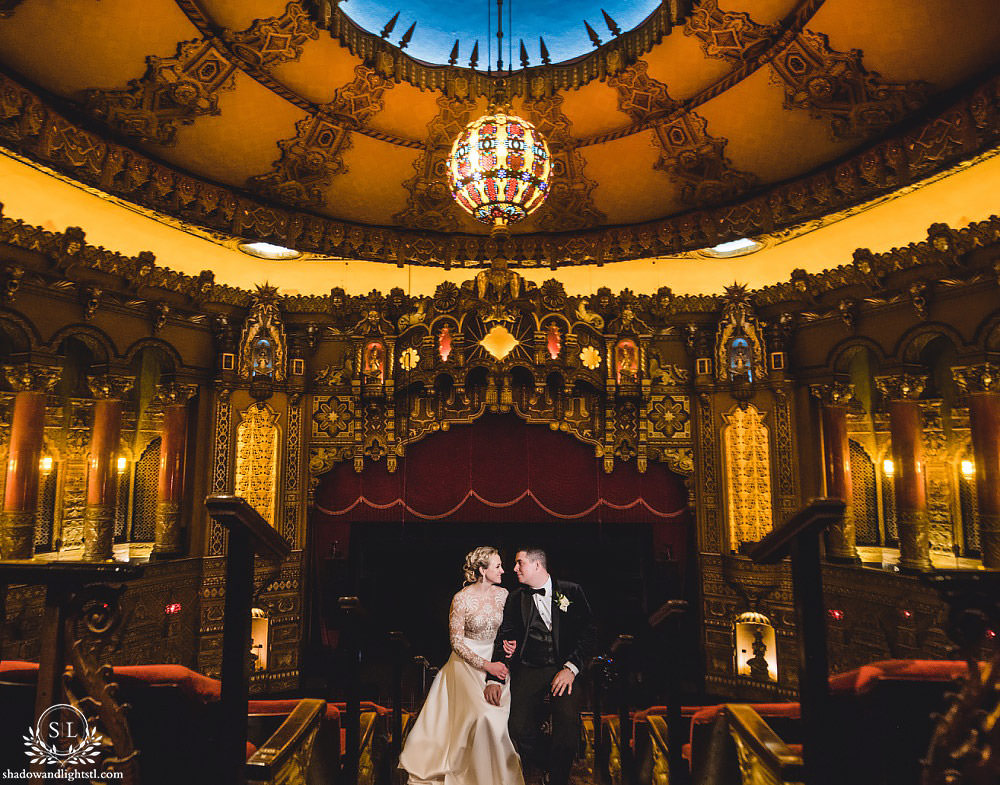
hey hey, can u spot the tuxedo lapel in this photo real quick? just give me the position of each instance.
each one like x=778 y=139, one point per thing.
x=556 y=613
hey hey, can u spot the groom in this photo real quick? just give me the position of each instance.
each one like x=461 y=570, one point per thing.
x=550 y=624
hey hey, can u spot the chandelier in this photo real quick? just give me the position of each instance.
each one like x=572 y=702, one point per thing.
x=499 y=169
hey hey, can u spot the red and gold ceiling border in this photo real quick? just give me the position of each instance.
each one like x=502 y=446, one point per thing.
x=32 y=128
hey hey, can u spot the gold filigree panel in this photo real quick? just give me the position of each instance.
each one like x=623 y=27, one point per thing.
x=748 y=476
x=315 y=155
x=174 y=91
x=257 y=455
x=728 y=35
x=639 y=95
x=276 y=40
x=835 y=86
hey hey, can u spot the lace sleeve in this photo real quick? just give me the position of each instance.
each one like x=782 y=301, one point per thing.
x=456 y=629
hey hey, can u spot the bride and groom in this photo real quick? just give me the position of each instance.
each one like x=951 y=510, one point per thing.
x=482 y=717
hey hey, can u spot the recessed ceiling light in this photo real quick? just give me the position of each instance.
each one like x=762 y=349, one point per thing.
x=268 y=251
x=740 y=247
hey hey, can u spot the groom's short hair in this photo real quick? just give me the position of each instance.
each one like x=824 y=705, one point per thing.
x=536 y=554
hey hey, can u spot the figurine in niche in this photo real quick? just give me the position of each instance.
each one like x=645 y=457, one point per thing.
x=739 y=359
x=444 y=343
x=262 y=358
x=373 y=365
x=627 y=358
x=553 y=340
x=758 y=665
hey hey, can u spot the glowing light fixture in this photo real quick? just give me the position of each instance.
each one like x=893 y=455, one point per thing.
x=499 y=342
x=268 y=251
x=968 y=468
x=499 y=169
x=122 y=463
x=739 y=247
x=45 y=464
x=888 y=467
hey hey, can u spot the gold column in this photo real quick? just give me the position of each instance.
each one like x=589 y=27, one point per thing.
x=102 y=479
x=834 y=398
x=981 y=384
x=909 y=481
x=173 y=441
x=17 y=522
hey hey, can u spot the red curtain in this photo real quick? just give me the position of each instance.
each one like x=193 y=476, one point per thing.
x=500 y=469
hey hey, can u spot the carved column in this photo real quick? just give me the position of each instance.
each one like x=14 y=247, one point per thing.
x=835 y=397
x=102 y=479
x=909 y=481
x=981 y=383
x=17 y=522
x=173 y=441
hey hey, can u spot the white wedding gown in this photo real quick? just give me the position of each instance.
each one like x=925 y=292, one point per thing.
x=459 y=738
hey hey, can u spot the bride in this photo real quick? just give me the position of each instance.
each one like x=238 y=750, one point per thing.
x=460 y=739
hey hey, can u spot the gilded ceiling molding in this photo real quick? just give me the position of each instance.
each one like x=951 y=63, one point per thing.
x=276 y=40
x=640 y=96
x=430 y=205
x=315 y=155
x=697 y=162
x=570 y=204
x=836 y=87
x=174 y=91
x=728 y=35
x=962 y=133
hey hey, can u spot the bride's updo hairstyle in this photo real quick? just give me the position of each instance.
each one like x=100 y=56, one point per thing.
x=480 y=557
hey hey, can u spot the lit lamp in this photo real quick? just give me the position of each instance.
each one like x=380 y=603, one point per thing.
x=888 y=467
x=756 y=647
x=968 y=468
x=122 y=464
x=499 y=169
x=259 y=634
x=45 y=465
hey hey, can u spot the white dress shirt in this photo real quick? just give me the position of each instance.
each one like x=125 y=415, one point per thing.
x=544 y=603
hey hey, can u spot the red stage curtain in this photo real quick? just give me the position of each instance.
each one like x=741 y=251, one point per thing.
x=495 y=470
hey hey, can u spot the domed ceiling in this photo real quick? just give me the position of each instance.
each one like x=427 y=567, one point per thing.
x=290 y=122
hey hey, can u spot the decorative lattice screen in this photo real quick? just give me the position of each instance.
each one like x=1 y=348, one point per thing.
x=121 y=507
x=864 y=498
x=147 y=470
x=889 y=512
x=748 y=476
x=45 y=515
x=970 y=515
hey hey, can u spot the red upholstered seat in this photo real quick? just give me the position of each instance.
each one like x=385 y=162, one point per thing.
x=863 y=679
x=193 y=684
x=250 y=750
x=18 y=671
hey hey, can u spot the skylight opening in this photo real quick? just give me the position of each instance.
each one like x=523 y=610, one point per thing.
x=739 y=247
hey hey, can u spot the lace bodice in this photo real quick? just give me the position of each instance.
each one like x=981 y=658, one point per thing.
x=477 y=615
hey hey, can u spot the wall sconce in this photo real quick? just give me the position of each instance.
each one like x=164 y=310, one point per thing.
x=968 y=468
x=756 y=650
x=259 y=635
x=122 y=464
x=888 y=468
x=45 y=465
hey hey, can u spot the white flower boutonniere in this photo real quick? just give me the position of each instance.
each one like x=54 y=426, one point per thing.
x=562 y=601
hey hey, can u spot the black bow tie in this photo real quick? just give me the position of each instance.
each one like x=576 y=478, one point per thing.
x=537 y=591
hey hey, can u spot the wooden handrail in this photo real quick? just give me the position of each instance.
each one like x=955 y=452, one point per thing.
x=815 y=516
x=233 y=511
x=291 y=743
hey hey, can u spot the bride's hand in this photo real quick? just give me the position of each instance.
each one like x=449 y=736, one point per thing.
x=509 y=647
x=496 y=669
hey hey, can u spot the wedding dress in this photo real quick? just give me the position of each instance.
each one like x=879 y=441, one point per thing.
x=459 y=738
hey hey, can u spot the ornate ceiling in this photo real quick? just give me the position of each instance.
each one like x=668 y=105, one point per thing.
x=287 y=122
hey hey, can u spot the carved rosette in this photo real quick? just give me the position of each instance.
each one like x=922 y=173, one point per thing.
x=729 y=35
x=279 y=39
x=901 y=386
x=639 y=95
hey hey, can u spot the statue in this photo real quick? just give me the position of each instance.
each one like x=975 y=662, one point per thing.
x=758 y=665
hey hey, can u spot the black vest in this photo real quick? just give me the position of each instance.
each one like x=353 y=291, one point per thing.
x=539 y=647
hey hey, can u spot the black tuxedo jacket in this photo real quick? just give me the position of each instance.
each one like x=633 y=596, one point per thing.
x=573 y=630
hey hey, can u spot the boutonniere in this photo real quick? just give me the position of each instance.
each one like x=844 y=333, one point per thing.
x=562 y=601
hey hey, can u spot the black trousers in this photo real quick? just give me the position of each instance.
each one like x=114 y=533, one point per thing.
x=528 y=688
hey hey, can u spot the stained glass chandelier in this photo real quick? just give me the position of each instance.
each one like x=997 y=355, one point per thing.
x=499 y=169
x=499 y=165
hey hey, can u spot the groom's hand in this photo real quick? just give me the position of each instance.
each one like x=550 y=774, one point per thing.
x=493 y=693
x=563 y=682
